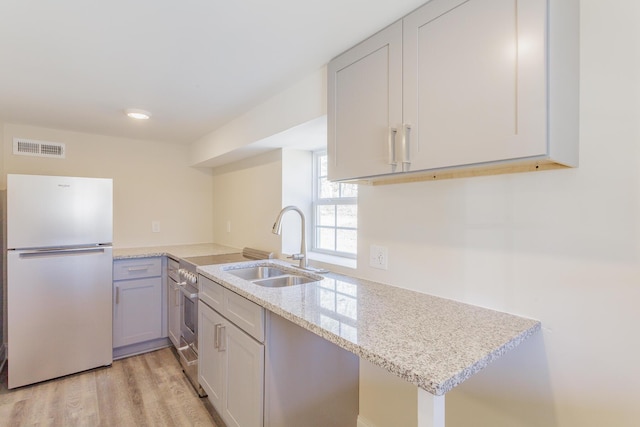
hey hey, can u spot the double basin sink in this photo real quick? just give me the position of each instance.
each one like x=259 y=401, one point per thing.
x=272 y=277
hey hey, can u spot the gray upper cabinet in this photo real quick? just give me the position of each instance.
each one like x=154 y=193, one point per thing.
x=458 y=84
x=365 y=101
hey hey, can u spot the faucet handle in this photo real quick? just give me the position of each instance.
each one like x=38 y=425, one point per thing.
x=296 y=257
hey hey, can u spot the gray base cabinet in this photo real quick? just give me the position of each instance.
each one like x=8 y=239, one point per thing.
x=260 y=369
x=231 y=369
x=308 y=380
x=137 y=302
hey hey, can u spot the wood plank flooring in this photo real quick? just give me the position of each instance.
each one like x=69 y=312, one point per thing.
x=145 y=390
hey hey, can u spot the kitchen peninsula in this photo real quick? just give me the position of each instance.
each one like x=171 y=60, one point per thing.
x=431 y=342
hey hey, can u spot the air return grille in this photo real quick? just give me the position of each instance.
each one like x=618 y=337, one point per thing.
x=30 y=147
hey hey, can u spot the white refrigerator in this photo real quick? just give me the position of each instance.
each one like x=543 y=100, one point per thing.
x=59 y=276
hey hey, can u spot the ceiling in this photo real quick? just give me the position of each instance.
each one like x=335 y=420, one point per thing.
x=194 y=64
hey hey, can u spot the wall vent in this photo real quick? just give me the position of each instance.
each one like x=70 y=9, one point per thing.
x=30 y=147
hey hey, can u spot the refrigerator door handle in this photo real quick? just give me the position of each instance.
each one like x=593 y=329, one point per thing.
x=53 y=252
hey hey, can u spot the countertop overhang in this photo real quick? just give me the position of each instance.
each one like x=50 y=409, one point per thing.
x=432 y=342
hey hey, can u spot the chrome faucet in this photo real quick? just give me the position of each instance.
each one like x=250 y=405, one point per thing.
x=277 y=229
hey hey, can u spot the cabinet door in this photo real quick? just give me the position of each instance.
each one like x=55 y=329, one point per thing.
x=475 y=81
x=137 y=311
x=173 y=311
x=244 y=382
x=210 y=360
x=364 y=102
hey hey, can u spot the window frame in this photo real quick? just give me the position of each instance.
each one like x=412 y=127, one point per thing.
x=316 y=201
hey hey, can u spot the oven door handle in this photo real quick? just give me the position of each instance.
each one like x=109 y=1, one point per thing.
x=187 y=292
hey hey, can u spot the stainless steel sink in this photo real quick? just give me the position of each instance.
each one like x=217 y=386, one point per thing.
x=272 y=276
x=256 y=273
x=281 y=281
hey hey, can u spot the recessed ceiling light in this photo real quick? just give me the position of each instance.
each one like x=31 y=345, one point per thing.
x=134 y=113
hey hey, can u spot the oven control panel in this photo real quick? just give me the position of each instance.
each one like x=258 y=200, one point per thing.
x=187 y=277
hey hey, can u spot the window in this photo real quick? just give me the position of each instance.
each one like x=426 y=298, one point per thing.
x=335 y=213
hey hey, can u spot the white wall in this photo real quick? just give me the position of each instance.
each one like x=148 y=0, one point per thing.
x=152 y=181
x=248 y=194
x=297 y=185
x=559 y=246
x=303 y=101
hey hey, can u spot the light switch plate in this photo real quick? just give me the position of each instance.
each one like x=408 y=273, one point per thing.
x=155 y=226
x=378 y=257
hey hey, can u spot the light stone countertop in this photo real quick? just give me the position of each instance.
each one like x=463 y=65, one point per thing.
x=176 y=251
x=432 y=342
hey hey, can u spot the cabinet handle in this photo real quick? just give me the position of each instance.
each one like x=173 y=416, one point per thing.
x=142 y=268
x=221 y=344
x=117 y=294
x=392 y=146
x=216 y=336
x=406 y=147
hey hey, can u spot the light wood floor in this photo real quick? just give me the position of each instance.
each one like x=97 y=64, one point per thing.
x=144 y=390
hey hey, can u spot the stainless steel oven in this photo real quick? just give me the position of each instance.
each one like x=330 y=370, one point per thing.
x=189 y=308
x=188 y=349
x=189 y=315
x=188 y=283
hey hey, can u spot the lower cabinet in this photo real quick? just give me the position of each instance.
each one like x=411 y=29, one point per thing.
x=137 y=305
x=231 y=369
x=260 y=369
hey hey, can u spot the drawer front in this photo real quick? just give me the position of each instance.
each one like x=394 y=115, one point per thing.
x=247 y=315
x=137 y=268
x=211 y=293
x=172 y=268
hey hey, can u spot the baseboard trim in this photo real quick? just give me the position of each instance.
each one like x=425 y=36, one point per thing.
x=3 y=355
x=139 y=348
x=363 y=422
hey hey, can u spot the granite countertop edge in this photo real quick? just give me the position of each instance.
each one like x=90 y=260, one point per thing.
x=434 y=385
x=174 y=251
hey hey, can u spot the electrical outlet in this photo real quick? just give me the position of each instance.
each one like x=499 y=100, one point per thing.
x=228 y=226
x=155 y=226
x=378 y=257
